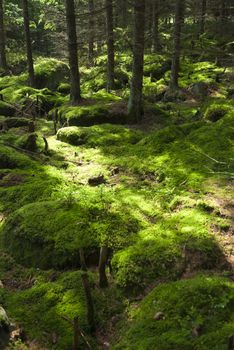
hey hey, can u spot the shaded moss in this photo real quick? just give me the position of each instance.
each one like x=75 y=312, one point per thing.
x=196 y=314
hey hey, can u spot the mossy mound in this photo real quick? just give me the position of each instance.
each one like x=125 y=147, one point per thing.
x=50 y=234
x=49 y=73
x=14 y=122
x=6 y=109
x=167 y=249
x=97 y=136
x=41 y=308
x=88 y=115
x=11 y=159
x=185 y=315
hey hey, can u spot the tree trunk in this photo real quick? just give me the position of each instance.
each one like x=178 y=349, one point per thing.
x=91 y=32
x=89 y=300
x=135 y=105
x=179 y=17
x=203 y=17
x=155 y=24
x=82 y=260
x=75 y=95
x=123 y=13
x=110 y=46
x=28 y=43
x=3 y=61
x=103 y=282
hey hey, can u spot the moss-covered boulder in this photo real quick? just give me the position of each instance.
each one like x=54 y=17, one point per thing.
x=50 y=234
x=98 y=135
x=49 y=73
x=214 y=112
x=7 y=109
x=186 y=315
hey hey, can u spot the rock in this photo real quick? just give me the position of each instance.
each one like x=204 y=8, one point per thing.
x=174 y=96
x=1 y=285
x=199 y=90
x=96 y=181
x=159 y=316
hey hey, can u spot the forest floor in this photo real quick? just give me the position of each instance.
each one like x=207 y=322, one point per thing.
x=159 y=194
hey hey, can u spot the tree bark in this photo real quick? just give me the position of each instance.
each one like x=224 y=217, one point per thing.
x=82 y=259
x=203 y=17
x=3 y=61
x=103 y=282
x=135 y=105
x=179 y=17
x=89 y=300
x=28 y=43
x=155 y=27
x=75 y=95
x=110 y=46
x=91 y=32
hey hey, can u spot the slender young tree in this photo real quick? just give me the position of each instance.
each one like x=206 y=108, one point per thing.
x=135 y=105
x=103 y=282
x=28 y=43
x=203 y=17
x=3 y=61
x=155 y=26
x=110 y=46
x=91 y=32
x=179 y=18
x=75 y=94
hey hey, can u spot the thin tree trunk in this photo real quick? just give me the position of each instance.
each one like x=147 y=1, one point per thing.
x=28 y=43
x=155 y=29
x=135 y=105
x=103 y=282
x=75 y=95
x=91 y=32
x=89 y=300
x=82 y=260
x=179 y=17
x=110 y=46
x=203 y=17
x=3 y=61
x=123 y=12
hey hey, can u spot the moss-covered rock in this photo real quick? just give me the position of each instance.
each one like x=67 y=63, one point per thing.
x=49 y=73
x=50 y=234
x=185 y=315
x=102 y=135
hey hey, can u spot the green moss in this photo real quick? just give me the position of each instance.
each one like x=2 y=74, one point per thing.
x=14 y=122
x=50 y=234
x=6 y=109
x=216 y=112
x=97 y=136
x=202 y=304
x=166 y=249
x=50 y=72
x=10 y=159
x=41 y=308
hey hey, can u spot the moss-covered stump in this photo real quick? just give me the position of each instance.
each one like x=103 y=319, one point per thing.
x=50 y=234
x=7 y=109
x=101 y=135
x=185 y=315
x=49 y=73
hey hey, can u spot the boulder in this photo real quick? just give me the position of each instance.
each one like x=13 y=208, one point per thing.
x=4 y=328
x=199 y=90
x=6 y=109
